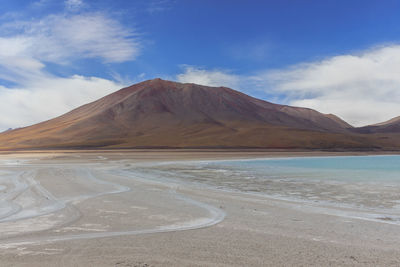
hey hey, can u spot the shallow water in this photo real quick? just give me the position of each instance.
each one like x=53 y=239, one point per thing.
x=370 y=184
x=376 y=169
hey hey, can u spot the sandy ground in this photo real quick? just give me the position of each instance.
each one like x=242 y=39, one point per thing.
x=86 y=209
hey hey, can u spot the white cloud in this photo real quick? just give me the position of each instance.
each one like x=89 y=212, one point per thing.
x=47 y=97
x=61 y=38
x=361 y=88
x=201 y=76
x=26 y=47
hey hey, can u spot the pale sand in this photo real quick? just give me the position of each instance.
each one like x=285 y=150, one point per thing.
x=82 y=209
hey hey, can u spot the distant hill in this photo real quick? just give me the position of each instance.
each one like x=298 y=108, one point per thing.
x=161 y=114
x=390 y=126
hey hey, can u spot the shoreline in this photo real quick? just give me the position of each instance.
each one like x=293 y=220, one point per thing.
x=256 y=230
x=335 y=208
x=198 y=154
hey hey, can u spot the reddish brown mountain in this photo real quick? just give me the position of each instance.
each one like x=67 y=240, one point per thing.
x=390 y=126
x=158 y=113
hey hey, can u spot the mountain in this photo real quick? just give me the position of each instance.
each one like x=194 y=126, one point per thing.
x=390 y=126
x=159 y=113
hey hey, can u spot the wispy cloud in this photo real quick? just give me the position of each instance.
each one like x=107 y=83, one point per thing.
x=362 y=88
x=192 y=74
x=27 y=47
x=73 y=5
x=57 y=38
x=47 y=96
x=157 y=6
x=253 y=50
x=40 y=3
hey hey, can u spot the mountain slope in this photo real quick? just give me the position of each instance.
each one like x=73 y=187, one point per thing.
x=158 y=113
x=390 y=126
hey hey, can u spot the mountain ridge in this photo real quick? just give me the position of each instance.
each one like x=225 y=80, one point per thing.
x=390 y=126
x=159 y=113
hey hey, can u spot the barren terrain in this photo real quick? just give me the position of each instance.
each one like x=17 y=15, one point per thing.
x=92 y=209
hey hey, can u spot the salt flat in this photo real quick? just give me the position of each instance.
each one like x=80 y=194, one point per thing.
x=93 y=209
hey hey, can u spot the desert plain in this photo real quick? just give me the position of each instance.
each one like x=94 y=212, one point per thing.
x=91 y=208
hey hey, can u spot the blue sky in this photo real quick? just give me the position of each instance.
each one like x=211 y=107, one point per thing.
x=340 y=57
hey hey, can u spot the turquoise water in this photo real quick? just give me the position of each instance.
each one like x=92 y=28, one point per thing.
x=390 y=163
x=369 y=169
x=369 y=186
